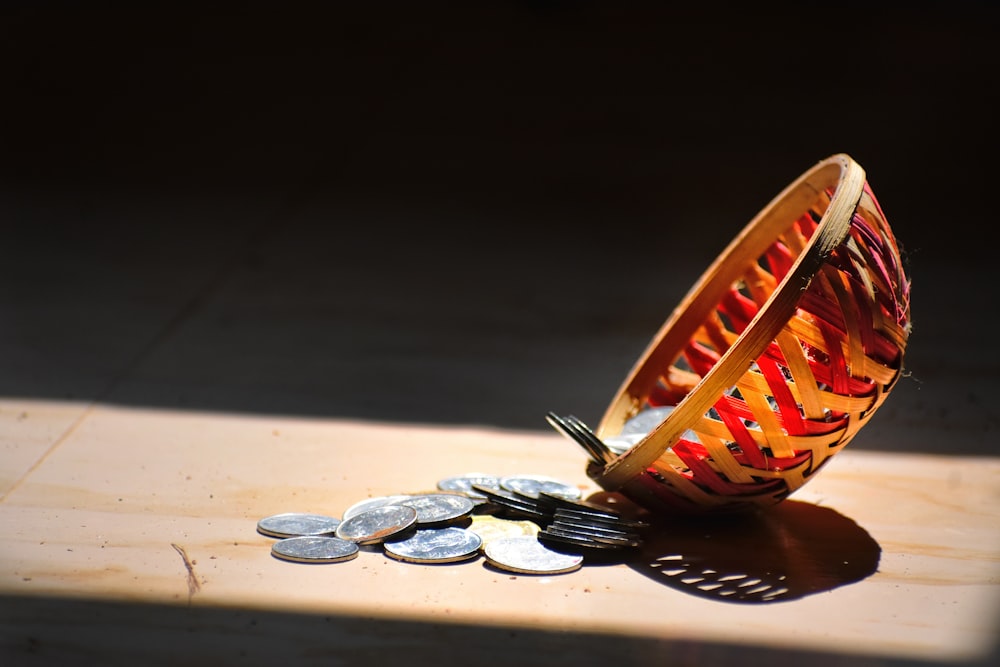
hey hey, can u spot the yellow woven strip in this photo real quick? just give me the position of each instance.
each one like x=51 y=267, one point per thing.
x=795 y=240
x=805 y=330
x=759 y=282
x=776 y=438
x=794 y=477
x=713 y=332
x=723 y=460
x=804 y=386
x=678 y=379
x=669 y=459
x=895 y=333
x=877 y=372
x=715 y=429
x=838 y=403
x=816 y=443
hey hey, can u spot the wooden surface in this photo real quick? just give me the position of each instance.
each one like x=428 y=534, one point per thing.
x=131 y=532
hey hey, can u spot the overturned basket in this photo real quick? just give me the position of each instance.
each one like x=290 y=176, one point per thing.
x=779 y=354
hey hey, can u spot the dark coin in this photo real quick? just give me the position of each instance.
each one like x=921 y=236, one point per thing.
x=598 y=519
x=549 y=500
x=612 y=539
x=531 y=485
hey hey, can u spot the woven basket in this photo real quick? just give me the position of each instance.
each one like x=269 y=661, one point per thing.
x=779 y=354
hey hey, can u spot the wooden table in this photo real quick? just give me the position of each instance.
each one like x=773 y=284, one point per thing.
x=130 y=537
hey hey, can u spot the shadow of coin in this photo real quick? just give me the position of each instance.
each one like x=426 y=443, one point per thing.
x=785 y=552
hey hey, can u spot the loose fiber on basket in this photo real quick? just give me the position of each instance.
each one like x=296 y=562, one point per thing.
x=825 y=353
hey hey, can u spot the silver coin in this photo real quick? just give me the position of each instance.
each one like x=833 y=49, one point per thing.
x=526 y=555
x=619 y=444
x=639 y=427
x=314 y=549
x=463 y=484
x=371 y=503
x=378 y=524
x=436 y=508
x=294 y=524
x=646 y=421
x=436 y=545
x=531 y=485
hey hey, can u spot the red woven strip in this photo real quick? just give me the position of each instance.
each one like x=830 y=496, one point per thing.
x=817 y=304
x=789 y=414
x=738 y=308
x=662 y=395
x=839 y=379
x=700 y=358
x=806 y=225
x=855 y=386
x=779 y=259
x=837 y=421
x=889 y=251
x=777 y=465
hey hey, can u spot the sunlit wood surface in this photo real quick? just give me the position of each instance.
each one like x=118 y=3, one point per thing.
x=129 y=534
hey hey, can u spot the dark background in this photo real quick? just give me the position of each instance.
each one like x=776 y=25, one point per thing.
x=469 y=212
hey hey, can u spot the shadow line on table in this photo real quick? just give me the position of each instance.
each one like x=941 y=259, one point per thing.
x=40 y=630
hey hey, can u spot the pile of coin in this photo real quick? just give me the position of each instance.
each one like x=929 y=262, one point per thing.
x=530 y=524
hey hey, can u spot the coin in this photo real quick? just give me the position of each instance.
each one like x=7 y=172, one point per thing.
x=463 y=483
x=619 y=444
x=512 y=502
x=647 y=420
x=595 y=535
x=595 y=531
x=314 y=549
x=376 y=525
x=490 y=528
x=563 y=513
x=553 y=502
x=526 y=555
x=590 y=550
x=371 y=503
x=294 y=524
x=437 y=508
x=436 y=545
x=531 y=485
x=576 y=430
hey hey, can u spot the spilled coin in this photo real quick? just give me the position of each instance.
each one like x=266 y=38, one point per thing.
x=378 y=524
x=436 y=545
x=314 y=549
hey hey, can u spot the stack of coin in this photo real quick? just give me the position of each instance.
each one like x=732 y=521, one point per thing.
x=520 y=523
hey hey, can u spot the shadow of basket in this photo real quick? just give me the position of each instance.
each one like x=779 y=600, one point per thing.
x=786 y=552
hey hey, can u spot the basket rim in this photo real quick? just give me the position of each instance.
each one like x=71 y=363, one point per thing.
x=848 y=179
